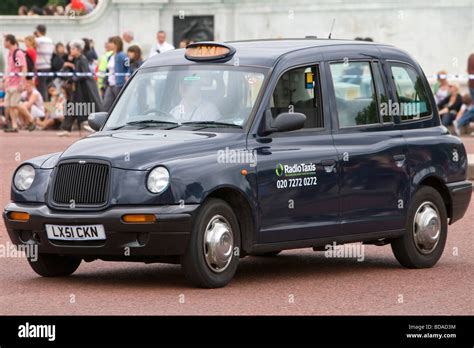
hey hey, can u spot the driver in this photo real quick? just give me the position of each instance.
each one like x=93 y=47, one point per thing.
x=192 y=106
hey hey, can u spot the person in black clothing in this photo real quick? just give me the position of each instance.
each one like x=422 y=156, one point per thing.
x=450 y=106
x=68 y=65
x=85 y=94
x=89 y=50
x=57 y=60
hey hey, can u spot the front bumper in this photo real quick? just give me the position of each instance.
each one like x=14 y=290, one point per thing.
x=167 y=236
x=460 y=193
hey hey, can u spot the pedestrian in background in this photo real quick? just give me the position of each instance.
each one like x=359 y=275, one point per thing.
x=118 y=68
x=465 y=114
x=129 y=40
x=31 y=107
x=57 y=60
x=102 y=68
x=44 y=51
x=470 y=71
x=56 y=107
x=134 y=54
x=2 y=62
x=450 y=106
x=84 y=90
x=441 y=86
x=184 y=43
x=2 y=105
x=90 y=53
x=30 y=56
x=14 y=83
x=161 y=45
x=68 y=68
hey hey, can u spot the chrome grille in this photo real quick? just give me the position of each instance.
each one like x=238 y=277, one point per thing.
x=81 y=183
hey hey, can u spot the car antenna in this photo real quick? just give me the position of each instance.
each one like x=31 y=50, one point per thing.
x=332 y=27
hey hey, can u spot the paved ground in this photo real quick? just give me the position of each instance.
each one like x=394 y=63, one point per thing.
x=296 y=282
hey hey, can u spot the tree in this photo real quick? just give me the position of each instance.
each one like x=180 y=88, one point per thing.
x=10 y=7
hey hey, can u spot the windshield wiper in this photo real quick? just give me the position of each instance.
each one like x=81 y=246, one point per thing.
x=146 y=122
x=214 y=123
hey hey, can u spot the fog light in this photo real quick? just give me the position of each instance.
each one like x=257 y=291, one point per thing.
x=18 y=216
x=143 y=238
x=25 y=236
x=139 y=218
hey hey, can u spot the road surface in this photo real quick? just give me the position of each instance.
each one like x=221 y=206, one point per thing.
x=295 y=282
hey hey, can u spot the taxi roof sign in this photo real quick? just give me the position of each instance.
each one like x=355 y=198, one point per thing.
x=209 y=51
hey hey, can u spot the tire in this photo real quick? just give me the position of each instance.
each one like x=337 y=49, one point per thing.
x=267 y=254
x=213 y=216
x=50 y=265
x=407 y=249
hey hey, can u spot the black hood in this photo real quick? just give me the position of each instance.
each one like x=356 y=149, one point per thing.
x=141 y=149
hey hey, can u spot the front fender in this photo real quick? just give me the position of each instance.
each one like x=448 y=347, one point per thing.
x=193 y=180
x=36 y=193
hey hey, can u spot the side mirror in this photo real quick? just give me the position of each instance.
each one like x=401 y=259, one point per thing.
x=284 y=122
x=97 y=120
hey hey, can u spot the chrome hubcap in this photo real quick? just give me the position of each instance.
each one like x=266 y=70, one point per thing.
x=218 y=244
x=426 y=228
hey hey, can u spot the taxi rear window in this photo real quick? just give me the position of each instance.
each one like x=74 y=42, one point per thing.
x=412 y=96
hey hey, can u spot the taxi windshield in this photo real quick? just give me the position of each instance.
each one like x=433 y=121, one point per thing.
x=217 y=96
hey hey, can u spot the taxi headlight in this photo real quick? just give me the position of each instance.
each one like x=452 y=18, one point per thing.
x=24 y=177
x=158 y=180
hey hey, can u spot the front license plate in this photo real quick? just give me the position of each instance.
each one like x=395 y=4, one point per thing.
x=84 y=232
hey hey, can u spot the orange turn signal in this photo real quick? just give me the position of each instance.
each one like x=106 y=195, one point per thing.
x=19 y=216
x=139 y=218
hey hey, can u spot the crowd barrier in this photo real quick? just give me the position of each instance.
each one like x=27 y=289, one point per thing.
x=105 y=74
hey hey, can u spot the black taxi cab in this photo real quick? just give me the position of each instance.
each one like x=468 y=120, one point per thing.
x=223 y=150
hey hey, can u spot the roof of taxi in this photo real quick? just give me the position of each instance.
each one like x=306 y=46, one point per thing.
x=256 y=52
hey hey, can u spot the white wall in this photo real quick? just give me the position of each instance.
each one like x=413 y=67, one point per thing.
x=438 y=33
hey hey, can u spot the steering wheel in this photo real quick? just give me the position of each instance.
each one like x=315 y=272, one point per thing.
x=156 y=111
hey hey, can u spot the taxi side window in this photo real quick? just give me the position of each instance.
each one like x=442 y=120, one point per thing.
x=356 y=102
x=412 y=97
x=298 y=90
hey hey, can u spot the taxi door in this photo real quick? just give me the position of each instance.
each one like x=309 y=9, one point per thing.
x=374 y=181
x=297 y=171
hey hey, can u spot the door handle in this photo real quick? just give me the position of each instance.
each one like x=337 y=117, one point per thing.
x=329 y=165
x=399 y=157
x=399 y=160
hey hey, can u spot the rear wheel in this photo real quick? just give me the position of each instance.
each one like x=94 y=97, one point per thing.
x=426 y=230
x=51 y=265
x=211 y=257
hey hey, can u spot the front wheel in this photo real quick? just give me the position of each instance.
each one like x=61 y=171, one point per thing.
x=50 y=265
x=426 y=230
x=212 y=254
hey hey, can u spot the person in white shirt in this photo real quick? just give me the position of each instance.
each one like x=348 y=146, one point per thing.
x=32 y=105
x=129 y=40
x=44 y=53
x=192 y=107
x=161 y=45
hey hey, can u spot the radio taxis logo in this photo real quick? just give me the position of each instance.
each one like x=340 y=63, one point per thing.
x=296 y=169
x=279 y=169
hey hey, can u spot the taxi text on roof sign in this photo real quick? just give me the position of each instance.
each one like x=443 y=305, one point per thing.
x=209 y=51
